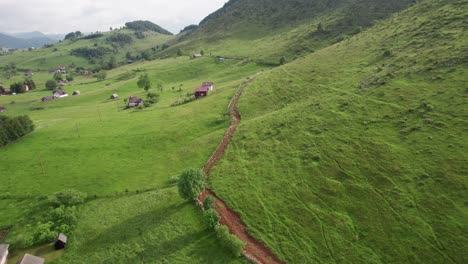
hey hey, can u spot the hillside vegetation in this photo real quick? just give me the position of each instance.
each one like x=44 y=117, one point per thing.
x=357 y=153
x=268 y=30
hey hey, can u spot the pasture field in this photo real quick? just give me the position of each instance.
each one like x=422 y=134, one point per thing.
x=91 y=144
x=357 y=153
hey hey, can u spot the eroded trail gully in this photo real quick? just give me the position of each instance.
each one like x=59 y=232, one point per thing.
x=254 y=250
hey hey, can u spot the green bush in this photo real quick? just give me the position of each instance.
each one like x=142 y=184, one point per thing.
x=43 y=233
x=51 y=85
x=209 y=203
x=13 y=128
x=231 y=242
x=68 y=198
x=191 y=184
x=211 y=218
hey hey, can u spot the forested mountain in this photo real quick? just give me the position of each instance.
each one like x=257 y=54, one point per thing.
x=35 y=41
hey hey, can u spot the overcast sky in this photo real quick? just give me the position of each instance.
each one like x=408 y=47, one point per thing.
x=59 y=16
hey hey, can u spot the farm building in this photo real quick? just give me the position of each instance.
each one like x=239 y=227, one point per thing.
x=62 y=83
x=60 y=242
x=28 y=74
x=76 y=92
x=25 y=88
x=209 y=85
x=201 y=92
x=47 y=98
x=59 y=94
x=134 y=101
x=30 y=259
x=114 y=96
x=4 y=253
x=196 y=55
x=61 y=69
x=2 y=109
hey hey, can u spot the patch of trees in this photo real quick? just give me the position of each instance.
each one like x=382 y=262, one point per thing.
x=191 y=184
x=89 y=53
x=141 y=25
x=51 y=85
x=13 y=128
x=101 y=75
x=121 y=39
x=19 y=87
x=59 y=217
x=73 y=35
x=93 y=36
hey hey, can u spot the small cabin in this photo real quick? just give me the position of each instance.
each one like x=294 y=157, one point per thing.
x=196 y=55
x=60 y=242
x=2 y=109
x=134 y=101
x=30 y=259
x=4 y=253
x=28 y=74
x=209 y=85
x=59 y=94
x=114 y=96
x=201 y=92
x=76 y=92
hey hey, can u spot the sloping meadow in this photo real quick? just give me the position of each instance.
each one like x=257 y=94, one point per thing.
x=357 y=153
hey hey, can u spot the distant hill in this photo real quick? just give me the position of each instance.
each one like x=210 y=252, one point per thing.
x=141 y=25
x=24 y=40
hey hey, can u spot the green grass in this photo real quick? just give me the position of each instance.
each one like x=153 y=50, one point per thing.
x=329 y=166
x=157 y=227
x=91 y=144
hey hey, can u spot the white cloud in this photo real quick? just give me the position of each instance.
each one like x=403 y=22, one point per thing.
x=58 y=16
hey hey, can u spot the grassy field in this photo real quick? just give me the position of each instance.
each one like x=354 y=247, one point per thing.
x=91 y=144
x=357 y=153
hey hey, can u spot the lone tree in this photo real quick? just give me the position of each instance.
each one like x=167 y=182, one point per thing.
x=101 y=75
x=144 y=82
x=51 y=85
x=191 y=184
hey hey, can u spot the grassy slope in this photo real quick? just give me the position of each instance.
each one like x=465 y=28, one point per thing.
x=331 y=165
x=89 y=143
x=268 y=30
x=48 y=58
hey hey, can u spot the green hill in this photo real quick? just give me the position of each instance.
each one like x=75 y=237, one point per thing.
x=357 y=153
x=268 y=30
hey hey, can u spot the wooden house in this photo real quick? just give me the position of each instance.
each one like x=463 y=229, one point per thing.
x=209 y=85
x=47 y=98
x=59 y=93
x=134 y=101
x=76 y=92
x=114 y=96
x=201 y=92
x=196 y=55
x=60 y=242
x=30 y=259
x=4 y=253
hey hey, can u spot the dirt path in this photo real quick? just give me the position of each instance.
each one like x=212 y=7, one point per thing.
x=254 y=250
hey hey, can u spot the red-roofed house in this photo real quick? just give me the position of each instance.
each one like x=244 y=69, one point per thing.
x=201 y=92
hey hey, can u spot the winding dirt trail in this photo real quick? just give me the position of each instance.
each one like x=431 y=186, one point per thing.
x=254 y=250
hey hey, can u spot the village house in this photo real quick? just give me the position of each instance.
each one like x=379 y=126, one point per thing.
x=59 y=93
x=201 y=92
x=76 y=92
x=4 y=253
x=60 y=242
x=114 y=96
x=28 y=74
x=2 y=109
x=30 y=259
x=60 y=69
x=25 y=88
x=196 y=55
x=209 y=85
x=134 y=101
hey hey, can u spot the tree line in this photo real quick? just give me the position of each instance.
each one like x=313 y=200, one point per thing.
x=13 y=128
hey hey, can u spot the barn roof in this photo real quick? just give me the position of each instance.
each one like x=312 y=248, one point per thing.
x=62 y=237
x=202 y=89
x=30 y=259
x=59 y=92
x=134 y=99
x=3 y=250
